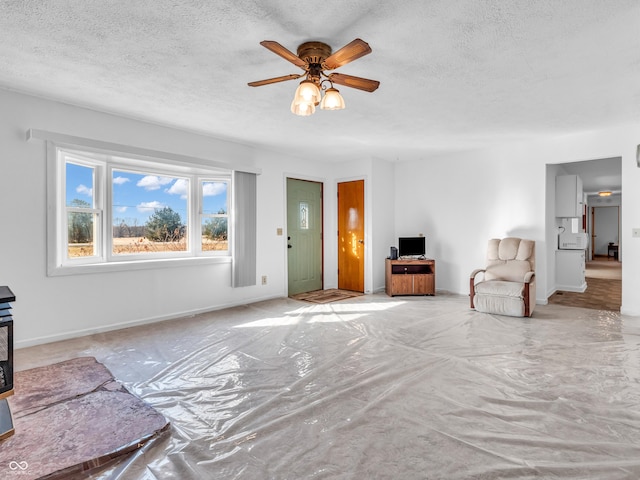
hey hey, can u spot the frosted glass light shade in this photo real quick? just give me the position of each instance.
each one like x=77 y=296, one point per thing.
x=332 y=100
x=303 y=108
x=307 y=92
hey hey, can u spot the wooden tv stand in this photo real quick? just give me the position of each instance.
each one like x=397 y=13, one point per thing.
x=410 y=277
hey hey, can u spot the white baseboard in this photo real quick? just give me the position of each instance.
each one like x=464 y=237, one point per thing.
x=572 y=288
x=133 y=323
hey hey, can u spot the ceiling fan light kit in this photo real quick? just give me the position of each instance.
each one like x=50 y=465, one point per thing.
x=307 y=92
x=332 y=100
x=314 y=58
x=303 y=109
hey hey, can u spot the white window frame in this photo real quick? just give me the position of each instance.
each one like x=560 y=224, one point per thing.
x=104 y=162
x=123 y=167
x=97 y=208
x=202 y=216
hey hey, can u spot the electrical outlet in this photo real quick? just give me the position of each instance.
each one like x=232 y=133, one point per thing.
x=635 y=232
x=264 y=279
x=279 y=231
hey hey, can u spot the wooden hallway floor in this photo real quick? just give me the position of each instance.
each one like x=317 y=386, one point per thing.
x=604 y=288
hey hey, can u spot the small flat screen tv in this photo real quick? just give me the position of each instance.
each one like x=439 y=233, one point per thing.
x=411 y=247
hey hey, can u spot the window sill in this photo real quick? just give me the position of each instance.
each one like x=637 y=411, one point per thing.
x=63 y=270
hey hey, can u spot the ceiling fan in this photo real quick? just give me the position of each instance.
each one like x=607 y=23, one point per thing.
x=314 y=58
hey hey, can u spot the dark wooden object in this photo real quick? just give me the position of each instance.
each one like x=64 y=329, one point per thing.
x=410 y=277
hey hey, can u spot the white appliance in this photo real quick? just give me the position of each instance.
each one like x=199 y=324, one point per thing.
x=573 y=241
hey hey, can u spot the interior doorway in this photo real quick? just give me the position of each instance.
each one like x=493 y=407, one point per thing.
x=351 y=247
x=605 y=232
x=602 y=187
x=304 y=236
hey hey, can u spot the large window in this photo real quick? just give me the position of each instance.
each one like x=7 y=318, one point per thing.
x=114 y=210
x=150 y=212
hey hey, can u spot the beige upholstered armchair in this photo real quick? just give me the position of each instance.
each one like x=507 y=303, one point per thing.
x=507 y=285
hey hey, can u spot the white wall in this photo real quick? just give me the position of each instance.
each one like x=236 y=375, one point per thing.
x=462 y=200
x=379 y=194
x=53 y=308
x=458 y=201
x=383 y=207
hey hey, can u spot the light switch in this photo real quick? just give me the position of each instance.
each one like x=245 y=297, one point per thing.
x=279 y=232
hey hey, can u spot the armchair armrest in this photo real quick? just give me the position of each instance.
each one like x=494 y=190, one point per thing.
x=528 y=278
x=477 y=271
x=472 y=284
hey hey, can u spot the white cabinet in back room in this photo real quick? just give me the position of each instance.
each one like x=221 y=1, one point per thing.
x=569 y=200
x=570 y=270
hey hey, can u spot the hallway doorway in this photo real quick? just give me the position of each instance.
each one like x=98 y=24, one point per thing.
x=602 y=187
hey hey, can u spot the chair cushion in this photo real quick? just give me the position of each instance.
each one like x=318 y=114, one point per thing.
x=510 y=248
x=511 y=271
x=499 y=305
x=500 y=297
x=509 y=259
x=500 y=288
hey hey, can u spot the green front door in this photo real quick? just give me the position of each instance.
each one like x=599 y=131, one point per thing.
x=304 y=235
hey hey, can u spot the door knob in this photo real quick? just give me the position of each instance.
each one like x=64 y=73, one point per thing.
x=360 y=241
x=289 y=246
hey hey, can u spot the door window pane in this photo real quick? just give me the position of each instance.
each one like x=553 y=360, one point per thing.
x=304 y=216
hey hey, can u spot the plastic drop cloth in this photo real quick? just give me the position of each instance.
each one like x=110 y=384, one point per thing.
x=382 y=388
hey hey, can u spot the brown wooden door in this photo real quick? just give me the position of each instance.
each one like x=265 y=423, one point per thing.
x=351 y=235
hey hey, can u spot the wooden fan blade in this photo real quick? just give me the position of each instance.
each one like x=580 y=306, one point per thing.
x=354 y=82
x=278 y=49
x=283 y=78
x=350 y=52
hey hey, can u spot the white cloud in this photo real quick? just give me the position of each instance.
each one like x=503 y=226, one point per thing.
x=153 y=182
x=121 y=180
x=146 y=207
x=210 y=189
x=121 y=209
x=180 y=187
x=84 y=190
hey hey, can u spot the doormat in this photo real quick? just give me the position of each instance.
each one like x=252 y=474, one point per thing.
x=326 y=296
x=72 y=417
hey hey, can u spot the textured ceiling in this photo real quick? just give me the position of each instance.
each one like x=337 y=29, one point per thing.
x=454 y=75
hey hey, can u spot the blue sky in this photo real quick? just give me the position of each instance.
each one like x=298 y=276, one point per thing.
x=136 y=196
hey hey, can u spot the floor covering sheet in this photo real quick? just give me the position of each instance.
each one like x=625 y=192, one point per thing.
x=379 y=388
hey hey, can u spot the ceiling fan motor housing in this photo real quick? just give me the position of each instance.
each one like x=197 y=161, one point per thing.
x=314 y=52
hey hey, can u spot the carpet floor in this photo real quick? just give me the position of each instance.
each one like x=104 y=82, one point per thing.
x=376 y=387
